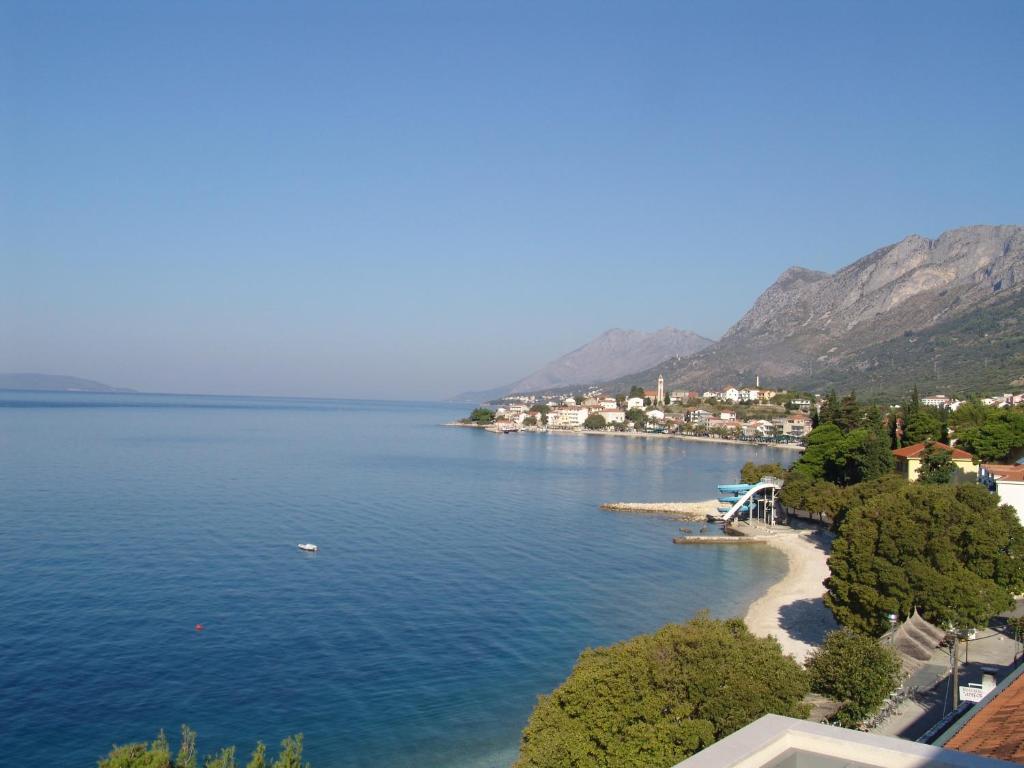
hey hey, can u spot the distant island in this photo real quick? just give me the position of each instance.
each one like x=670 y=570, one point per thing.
x=45 y=382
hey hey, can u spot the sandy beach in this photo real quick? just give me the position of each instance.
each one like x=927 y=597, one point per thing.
x=792 y=610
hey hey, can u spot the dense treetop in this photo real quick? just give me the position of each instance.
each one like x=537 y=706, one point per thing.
x=952 y=551
x=655 y=699
x=856 y=671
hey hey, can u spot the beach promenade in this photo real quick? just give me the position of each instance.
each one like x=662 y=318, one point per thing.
x=792 y=610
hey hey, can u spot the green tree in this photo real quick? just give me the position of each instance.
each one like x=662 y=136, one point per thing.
x=482 y=416
x=636 y=391
x=937 y=465
x=259 y=757
x=530 y=421
x=656 y=699
x=638 y=416
x=827 y=411
x=595 y=421
x=290 y=755
x=186 y=757
x=848 y=415
x=952 y=551
x=823 y=442
x=854 y=670
x=224 y=759
x=1001 y=433
x=158 y=754
x=751 y=472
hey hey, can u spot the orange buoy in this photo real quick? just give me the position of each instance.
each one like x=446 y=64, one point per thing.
x=199 y=627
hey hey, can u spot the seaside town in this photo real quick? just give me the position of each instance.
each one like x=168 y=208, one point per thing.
x=903 y=642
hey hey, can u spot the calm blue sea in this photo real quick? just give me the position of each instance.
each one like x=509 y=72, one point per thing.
x=460 y=573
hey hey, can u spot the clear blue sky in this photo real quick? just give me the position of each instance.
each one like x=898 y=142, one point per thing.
x=407 y=200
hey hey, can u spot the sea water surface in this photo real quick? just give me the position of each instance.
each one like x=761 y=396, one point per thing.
x=460 y=573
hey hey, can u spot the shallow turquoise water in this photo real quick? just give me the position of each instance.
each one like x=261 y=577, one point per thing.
x=460 y=572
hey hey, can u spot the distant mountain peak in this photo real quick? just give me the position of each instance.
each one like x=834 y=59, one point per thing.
x=615 y=352
x=53 y=383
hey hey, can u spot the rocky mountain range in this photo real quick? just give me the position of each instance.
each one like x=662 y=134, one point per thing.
x=945 y=314
x=614 y=353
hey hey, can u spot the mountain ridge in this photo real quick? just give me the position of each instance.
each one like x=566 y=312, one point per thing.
x=809 y=327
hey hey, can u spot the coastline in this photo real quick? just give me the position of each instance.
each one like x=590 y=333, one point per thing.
x=645 y=436
x=792 y=610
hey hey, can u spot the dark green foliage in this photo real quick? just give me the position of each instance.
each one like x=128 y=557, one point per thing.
x=1001 y=431
x=595 y=421
x=637 y=415
x=655 y=699
x=937 y=466
x=158 y=755
x=860 y=455
x=817 y=497
x=854 y=670
x=951 y=551
x=636 y=391
x=530 y=421
x=482 y=416
x=751 y=472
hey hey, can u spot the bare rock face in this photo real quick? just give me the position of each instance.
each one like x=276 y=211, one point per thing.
x=813 y=329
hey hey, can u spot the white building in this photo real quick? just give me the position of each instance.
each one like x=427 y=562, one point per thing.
x=794 y=425
x=634 y=402
x=567 y=417
x=727 y=415
x=613 y=415
x=608 y=403
x=709 y=395
x=699 y=416
x=936 y=401
x=758 y=428
x=656 y=415
x=731 y=395
x=1008 y=481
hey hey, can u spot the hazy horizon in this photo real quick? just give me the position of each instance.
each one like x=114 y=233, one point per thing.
x=399 y=201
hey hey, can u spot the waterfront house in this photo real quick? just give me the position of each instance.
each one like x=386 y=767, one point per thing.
x=698 y=416
x=613 y=415
x=908 y=462
x=758 y=428
x=794 y=425
x=634 y=402
x=655 y=414
x=567 y=417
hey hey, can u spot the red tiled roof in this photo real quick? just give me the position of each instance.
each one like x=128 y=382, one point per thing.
x=1011 y=472
x=997 y=729
x=917 y=450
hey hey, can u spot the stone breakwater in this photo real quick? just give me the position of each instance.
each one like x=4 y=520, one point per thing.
x=680 y=510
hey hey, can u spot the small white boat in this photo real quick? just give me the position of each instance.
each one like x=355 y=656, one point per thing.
x=309 y=547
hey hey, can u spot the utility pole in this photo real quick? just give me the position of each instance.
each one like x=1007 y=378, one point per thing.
x=956 y=671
